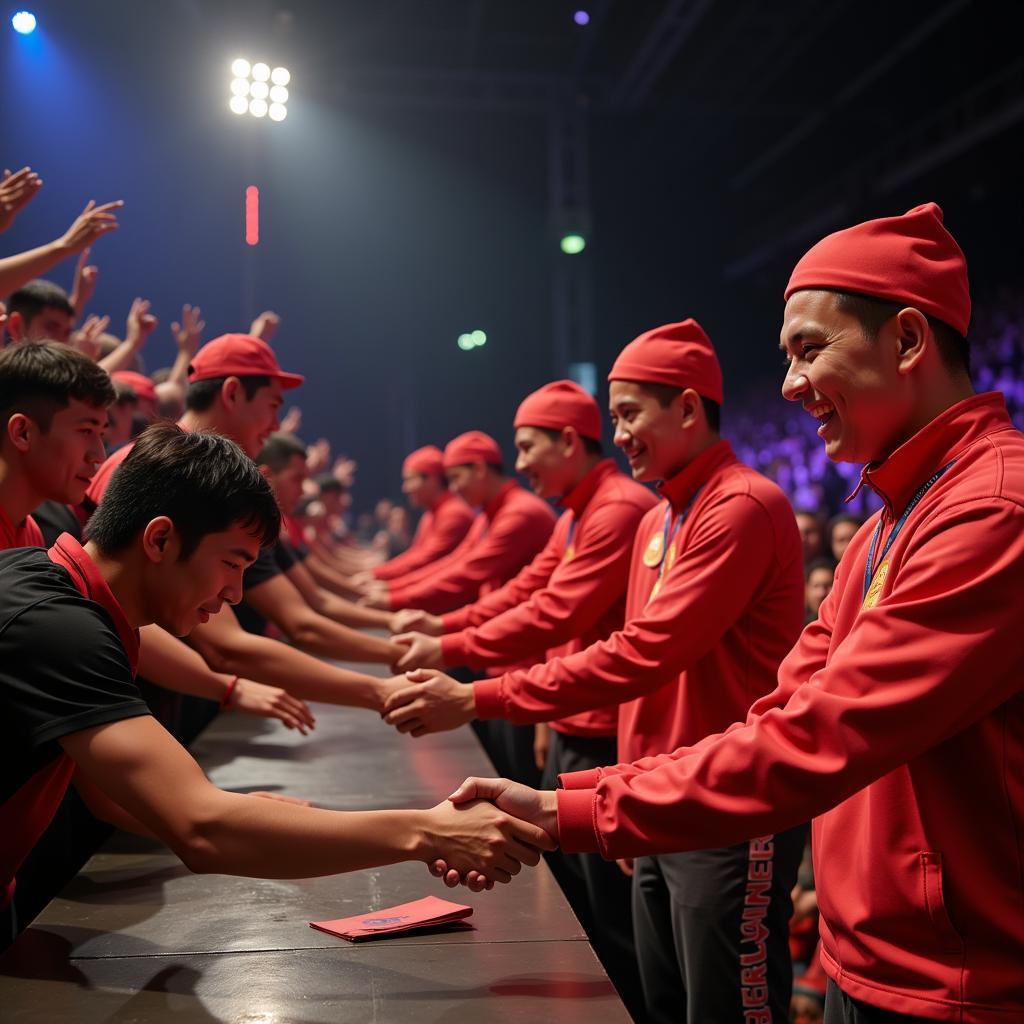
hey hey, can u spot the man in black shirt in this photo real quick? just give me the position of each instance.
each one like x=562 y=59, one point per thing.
x=184 y=515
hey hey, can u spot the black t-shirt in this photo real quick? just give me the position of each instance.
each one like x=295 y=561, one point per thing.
x=63 y=667
x=55 y=518
x=272 y=561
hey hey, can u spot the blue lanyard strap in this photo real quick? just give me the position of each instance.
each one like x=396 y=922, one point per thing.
x=572 y=532
x=666 y=540
x=869 y=567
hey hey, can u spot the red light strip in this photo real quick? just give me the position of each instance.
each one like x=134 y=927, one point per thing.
x=252 y=215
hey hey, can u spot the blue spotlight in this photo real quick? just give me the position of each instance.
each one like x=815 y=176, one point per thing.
x=24 y=22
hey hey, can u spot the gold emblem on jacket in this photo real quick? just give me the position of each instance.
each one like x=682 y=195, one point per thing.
x=655 y=549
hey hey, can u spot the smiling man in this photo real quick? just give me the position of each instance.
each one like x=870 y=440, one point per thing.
x=898 y=721
x=184 y=515
x=714 y=601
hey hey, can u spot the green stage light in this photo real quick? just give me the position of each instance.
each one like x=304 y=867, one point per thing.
x=573 y=244
x=478 y=338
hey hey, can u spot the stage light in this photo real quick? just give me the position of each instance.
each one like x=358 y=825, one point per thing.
x=465 y=342
x=252 y=215
x=478 y=338
x=24 y=22
x=572 y=244
x=581 y=18
x=252 y=92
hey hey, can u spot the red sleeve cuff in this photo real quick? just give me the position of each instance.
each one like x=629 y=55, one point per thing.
x=586 y=779
x=376 y=571
x=576 y=831
x=488 y=697
x=452 y=622
x=397 y=600
x=453 y=649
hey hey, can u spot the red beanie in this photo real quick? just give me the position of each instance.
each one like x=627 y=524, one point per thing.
x=679 y=355
x=558 y=405
x=427 y=461
x=472 y=446
x=911 y=259
x=139 y=383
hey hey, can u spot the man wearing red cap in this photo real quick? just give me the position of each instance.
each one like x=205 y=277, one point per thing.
x=235 y=389
x=898 y=721
x=512 y=527
x=571 y=595
x=714 y=601
x=445 y=522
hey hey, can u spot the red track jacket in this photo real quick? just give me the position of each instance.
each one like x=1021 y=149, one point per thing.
x=503 y=538
x=693 y=659
x=570 y=596
x=899 y=719
x=440 y=532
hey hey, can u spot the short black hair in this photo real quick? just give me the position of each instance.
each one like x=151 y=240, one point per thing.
x=32 y=298
x=203 y=393
x=871 y=313
x=279 y=449
x=822 y=562
x=124 y=394
x=328 y=483
x=666 y=393
x=40 y=378
x=590 y=445
x=203 y=482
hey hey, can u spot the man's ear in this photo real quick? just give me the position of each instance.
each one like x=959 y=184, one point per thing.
x=158 y=539
x=231 y=392
x=913 y=336
x=689 y=405
x=19 y=430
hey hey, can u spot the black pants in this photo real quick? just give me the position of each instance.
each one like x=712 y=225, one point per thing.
x=597 y=890
x=841 y=1009
x=712 y=931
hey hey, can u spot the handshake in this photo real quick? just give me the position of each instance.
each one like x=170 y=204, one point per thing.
x=487 y=830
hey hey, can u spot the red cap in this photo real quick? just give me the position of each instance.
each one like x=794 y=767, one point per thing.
x=139 y=383
x=239 y=355
x=680 y=355
x=472 y=446
x=561 y=404
x=911 y=259
x=427 y=461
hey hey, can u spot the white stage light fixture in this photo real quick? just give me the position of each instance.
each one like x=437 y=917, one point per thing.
x=258 y=108
x=251 y=91
x=278 y=94
x=259 y=90
x=241 y=68
x=238 y=104
x=278 y=111
x=240 y=87
x=260 y=72
x=281 y=76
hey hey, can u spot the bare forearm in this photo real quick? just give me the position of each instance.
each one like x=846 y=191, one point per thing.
x=121 y=358
x=22 y=267
x=332 y=640
x=348 y=613
x=173 y=665
x=269 y=840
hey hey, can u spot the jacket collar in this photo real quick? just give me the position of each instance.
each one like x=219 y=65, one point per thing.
x=680 y=489
x=951 y=433
x=579 y=497
x=491 y=508
x=86 y=576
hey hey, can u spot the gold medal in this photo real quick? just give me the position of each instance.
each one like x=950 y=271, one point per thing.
x=655 y=549
x=570 y=553
x=670 y=557
x=654 y=590
x=875 y=590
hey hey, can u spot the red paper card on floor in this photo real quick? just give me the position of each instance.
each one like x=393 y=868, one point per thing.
x=426 y=913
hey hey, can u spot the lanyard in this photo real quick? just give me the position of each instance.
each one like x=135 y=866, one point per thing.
x=869 y=567
x=667 y=541
x=570 y=550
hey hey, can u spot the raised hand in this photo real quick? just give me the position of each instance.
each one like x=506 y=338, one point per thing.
x=292 y=420
x=344 y=470
x=539 y=807
x=318 y=457
x=85 y=282
x=421 y=651
x=141 y=324
x=433 y=703
x=254 y=698
x=415 y=620
x=93 y=222
x=16 y=192
x=476 y=838
x=265 y=325
x=87 y=338
x=188 y=333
